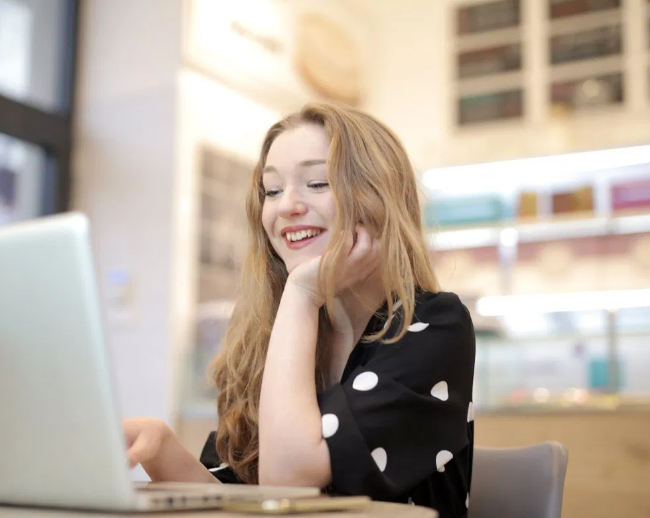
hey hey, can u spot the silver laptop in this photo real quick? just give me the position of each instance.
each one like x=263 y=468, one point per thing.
x=61 y=442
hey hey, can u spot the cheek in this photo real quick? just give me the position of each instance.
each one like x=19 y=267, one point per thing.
x=329 y=211
x=267 y=219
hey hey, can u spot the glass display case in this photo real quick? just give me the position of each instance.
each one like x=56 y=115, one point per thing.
x=565 y=360
x=552 y=256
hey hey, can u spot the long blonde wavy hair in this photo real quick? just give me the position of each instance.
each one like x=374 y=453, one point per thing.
x=372 y=182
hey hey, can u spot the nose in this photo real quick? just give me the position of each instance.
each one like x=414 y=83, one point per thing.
x=291 y=203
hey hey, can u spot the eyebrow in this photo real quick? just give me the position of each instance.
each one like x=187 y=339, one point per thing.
x=303 y=163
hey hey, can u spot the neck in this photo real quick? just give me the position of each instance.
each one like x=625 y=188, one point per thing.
x=358 y=303
x=352 y=310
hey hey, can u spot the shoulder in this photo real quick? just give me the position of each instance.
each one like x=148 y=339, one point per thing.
x=441 y=324
x=439 y=344
x=441 y=329
x=440 y=309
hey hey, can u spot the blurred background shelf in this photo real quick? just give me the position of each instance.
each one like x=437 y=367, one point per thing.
x=555 y=228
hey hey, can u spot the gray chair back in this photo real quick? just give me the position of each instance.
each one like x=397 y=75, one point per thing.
x=518 y=482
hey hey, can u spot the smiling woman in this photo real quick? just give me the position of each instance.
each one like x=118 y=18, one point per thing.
x=298 y=206
x=344 y=367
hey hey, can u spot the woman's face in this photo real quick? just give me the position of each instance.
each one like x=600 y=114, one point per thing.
x=299 y=208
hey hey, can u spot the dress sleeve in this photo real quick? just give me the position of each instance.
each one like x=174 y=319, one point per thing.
x=211 y=461
x=404 y=414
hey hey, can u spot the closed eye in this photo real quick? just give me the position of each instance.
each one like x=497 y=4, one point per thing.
x=316 y=185
x=319 y=185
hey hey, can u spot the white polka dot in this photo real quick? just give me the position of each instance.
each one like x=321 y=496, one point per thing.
x=441 y=391
x=330 y=424
x=470 y=412
x=380 y=458
x=467 y=501
x=365 y=381
x=396 y=306
x=443 y=458
x=223 y=465
x=417 y=327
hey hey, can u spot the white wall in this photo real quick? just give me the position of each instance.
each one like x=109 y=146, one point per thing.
x=409 y=81
x=123 y=169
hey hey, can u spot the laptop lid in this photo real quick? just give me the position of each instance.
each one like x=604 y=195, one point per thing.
x=61 y=441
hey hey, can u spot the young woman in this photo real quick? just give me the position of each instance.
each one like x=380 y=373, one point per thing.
x=344 y=366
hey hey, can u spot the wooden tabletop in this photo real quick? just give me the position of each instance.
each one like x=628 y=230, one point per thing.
x=374 y=510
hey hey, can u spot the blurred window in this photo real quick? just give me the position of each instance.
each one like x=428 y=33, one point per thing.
x=37 y=61
x=22 y=167
x=33 y=37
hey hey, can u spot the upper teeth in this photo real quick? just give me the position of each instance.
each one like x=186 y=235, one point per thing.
x=302 y=234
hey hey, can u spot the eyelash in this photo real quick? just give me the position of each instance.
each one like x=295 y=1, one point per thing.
x=314 y=185
x=319 y=185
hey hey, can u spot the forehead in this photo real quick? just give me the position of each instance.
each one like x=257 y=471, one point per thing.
x=306 y=142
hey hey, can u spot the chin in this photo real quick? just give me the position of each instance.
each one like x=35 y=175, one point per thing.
x=292 y=265
x=295 y=262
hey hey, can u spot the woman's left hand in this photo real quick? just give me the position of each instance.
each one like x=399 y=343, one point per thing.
x=360 y=262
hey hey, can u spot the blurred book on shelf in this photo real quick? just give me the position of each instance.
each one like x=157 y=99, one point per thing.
x=631 y=195
x=575 y=201
x=466 y=210
x=528 y=205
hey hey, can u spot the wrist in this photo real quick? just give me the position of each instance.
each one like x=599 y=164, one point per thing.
x=157 y=464
x=166 y=434
x=308 y=294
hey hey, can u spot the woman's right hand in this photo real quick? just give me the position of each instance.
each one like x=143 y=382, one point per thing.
x=145 y=439
x=153 y=444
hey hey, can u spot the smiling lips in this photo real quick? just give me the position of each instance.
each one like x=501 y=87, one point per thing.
x=299 y=237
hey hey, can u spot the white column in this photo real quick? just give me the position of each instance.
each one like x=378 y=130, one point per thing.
x=124 y=158
x=535 y=42
x=636 y=52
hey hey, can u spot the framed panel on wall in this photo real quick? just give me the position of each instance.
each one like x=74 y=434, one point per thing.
x=490 y=107
x=489 y=62
x=566 y=8
x=587 y=44
x=223 y=227
x=599 y=90
x=488 y=17
x=586 y=54
x=223 y=243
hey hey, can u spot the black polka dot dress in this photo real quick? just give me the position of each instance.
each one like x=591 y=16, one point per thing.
x=400 y=424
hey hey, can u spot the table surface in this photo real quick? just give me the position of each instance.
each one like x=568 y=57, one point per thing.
x=374 y=510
